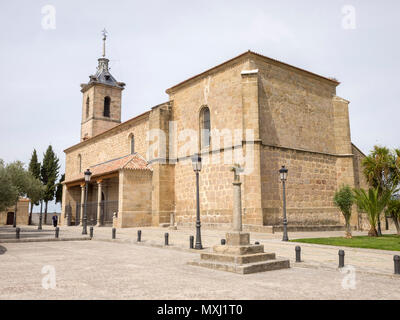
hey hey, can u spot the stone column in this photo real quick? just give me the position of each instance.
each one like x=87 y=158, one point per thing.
x=99 y=191
x=237 y=203
x=172 y=221
x=82 y=203
x=237 y=237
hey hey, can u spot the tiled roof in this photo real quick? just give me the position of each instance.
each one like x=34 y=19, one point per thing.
x=130 y=162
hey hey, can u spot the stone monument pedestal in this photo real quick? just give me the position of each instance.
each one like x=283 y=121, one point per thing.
x=239 y=256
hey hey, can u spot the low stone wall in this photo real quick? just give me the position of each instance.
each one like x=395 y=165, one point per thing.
x=49 y=221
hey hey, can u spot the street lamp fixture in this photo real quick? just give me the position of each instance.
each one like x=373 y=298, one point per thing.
x=87 y=180
x=283 y=172
x=196 y=162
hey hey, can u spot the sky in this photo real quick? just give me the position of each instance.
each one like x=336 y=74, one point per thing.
x=48 y=48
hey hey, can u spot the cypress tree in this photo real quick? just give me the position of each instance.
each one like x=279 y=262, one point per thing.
x=34 y=169
x=49 y=175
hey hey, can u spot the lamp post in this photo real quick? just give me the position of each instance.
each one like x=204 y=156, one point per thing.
x=196 y=162
x=84 y=221
x=283 y=172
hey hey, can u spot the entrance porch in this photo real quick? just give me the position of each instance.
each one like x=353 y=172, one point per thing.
x=119 y=195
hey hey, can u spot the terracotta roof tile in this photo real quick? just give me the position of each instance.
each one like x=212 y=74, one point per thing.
x=130 y=162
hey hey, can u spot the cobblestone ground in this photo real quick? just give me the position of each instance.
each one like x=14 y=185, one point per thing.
x=107 y=270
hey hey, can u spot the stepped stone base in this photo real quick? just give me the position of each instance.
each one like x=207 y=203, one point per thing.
x=240 y=256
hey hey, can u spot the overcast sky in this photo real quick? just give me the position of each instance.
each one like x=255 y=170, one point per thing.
x=153 y=45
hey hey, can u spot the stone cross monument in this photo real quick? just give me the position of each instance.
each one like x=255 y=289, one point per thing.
x=238 y=255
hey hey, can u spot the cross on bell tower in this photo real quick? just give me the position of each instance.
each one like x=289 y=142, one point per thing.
x=101 y=106
x=105 y=34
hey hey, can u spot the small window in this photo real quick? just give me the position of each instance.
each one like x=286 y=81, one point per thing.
x=80 y=163
x=132 y=144
x=87 y=107
x=205 y=127
x=107 y=103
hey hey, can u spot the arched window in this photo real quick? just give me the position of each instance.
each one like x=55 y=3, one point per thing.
x=87 y=107
x=132 y=138
x=107 y=103
x=205 y=127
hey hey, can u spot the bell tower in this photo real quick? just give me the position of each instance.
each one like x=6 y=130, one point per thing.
x=101 y=105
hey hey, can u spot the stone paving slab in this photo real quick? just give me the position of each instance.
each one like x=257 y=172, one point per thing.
x=107 y=270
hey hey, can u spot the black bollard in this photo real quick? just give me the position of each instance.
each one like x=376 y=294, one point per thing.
x=341 y=258
x=17 y=233
x=298 y=253
x=256 y=243
x=139 y=235
x=191 y=242
x=166 y=235
x=223 y=242
x=57 y=232
x=396 y=264
x=91 y=232
x=114 y=233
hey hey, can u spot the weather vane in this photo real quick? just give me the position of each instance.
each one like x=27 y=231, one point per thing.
x=105 y=34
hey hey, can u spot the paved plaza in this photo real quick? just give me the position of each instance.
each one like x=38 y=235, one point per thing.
x=314 y=256
x=122 y=269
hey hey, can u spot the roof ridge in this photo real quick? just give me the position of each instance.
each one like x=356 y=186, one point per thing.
x=130 y=160
x=101 y=163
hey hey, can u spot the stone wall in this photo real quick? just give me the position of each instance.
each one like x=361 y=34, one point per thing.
x=216 y=193
x=310 y=187
x=134 y=206
x=110 y=145
x=221 y=92
x=359 y=178
x=295 y=108
x=22 y=213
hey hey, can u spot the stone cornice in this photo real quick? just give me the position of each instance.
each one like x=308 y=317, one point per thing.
x=102 y=119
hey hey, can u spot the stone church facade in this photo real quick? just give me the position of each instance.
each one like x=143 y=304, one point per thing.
x=251 y=110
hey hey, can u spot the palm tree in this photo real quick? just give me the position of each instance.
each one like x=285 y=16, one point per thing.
x=393 y=210
x=373 y=204
x=379 y=170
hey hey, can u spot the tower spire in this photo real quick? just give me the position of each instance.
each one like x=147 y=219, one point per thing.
x=105 y=34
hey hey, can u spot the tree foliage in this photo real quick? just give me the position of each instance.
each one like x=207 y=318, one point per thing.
x=59 y=189
x=34 y=165
x=393 y=210
x=344 y=200
x=8 y=193
x=49 y=174
x=35 y=189
x=19 y=179
x=381 y=168
x=373 y=203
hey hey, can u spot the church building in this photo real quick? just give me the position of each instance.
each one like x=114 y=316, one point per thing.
x=251 y=110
